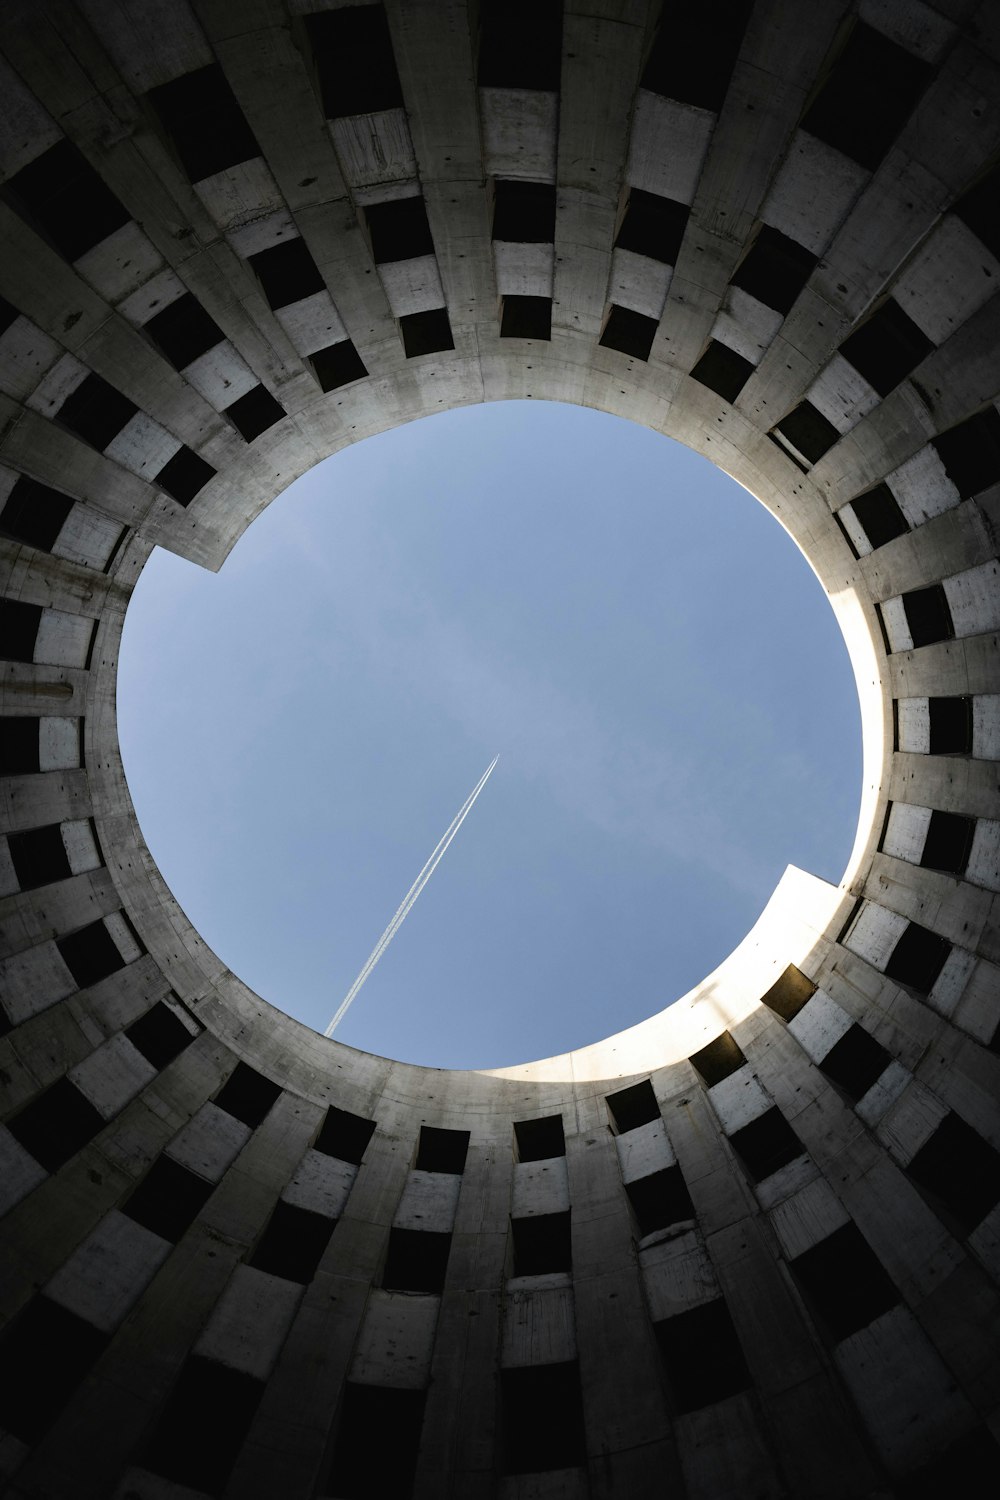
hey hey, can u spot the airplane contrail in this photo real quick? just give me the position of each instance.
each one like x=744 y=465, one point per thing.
x=411 y=896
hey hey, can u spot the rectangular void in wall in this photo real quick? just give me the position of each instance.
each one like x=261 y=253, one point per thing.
x=886 y=347
x=807 y=431
x=970 y=452
x=958 y=1172
x=254 y=413
x=978 y=209
x=526 y=317
x=19 y=741
x=958 y=1470
x=56 y=1124
x=701 y=1356
x=917 y=959
x=45 y=1351
x=928 y=615
x=183 y=331
x=426 y=332
x=63 y=198
x=442 y=1150
x=416 y=1260
x=159 y=1035
x=541 y=1419
x=879 y=515
x=718 y=1060
x=247 y=1095
x=34 y=514
x=948 y=842
x=695 y=52
x=659 y=1200
x=855 y=1062
x=653 y=226
x=520 y=44
x=287 y=273
x=378 y=1439
x=185 y=475
x=168 y=1199
x=775 y=269
x=722 y=370
x=867 y=97
x=629 y=1108
x=539 y=1140
x=39 y=856
x=524 y=212
x=629 y=332
x=208 y=129
x=399 y=230
x=541 y=1244
x=18 y=629
x=292 y=1243
x=90 y=954
x=96 y=412
x=355 y=66
x=344 y=1135
x=766 y=1144
x=844 y=1283
x=336 y=365
x=950 y=726
x=203 y=1426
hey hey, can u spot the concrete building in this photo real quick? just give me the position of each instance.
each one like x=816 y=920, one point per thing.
x=751 y=1247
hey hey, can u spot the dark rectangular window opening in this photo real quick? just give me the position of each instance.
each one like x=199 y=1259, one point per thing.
x=524 y=212
x=90 y=954
x=775 y=269
x=168 y=1199
x=526 y=317
x=917 y=959
x=39 y=856
x=183 y=331
x=247 y=1095
x=34 y=514
x=542 y=1244
x=634 y=1106
x=416 y=1260
x=46 y=1352
x=928 y=615
x=426 y=332
x=659 y=1200
x=254 y=413
x=702 y=1356
x=653 y=226
x=399 y=230
x=185 y=475
x=855 y=1062
x=948 y=843
x=629 y=332
x=19 y=629
x=958 y=1470
x=722 y=370
x=56 y=1124
x=442 y=1150
x=958 y=1171
x=766 y=1145
x=378 y=1439
x=19 y=741
x=344 y=1135
x=96 y=412
x=355 y=65
x=293 y=1243
x=539 y=1140
x=844 y=1282
x=200 y=114
x=695 y=52
x=542 y=1419
x=719 y=1059
x=977 y=208
x=287 y=273
x=336 y=365
x=970 y=452
x=203 y=1425
x=886 y=347
x=520 y=44
x=867 y=97
x=62 y=197
x=159 y=1035
x=808 y=431
x=950 y=726
x=879 y=515
x=789 y=994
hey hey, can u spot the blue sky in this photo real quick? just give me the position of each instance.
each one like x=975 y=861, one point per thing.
x=639 y=641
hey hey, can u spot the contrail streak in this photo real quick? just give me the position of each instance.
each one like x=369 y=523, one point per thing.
x=411 y=896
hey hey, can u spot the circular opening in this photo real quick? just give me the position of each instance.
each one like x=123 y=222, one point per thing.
x=642 y=645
